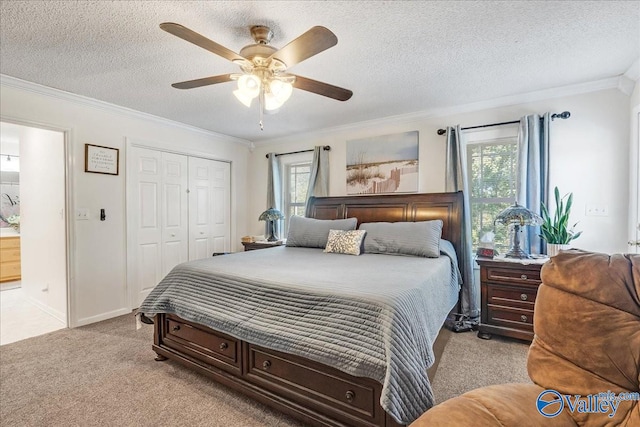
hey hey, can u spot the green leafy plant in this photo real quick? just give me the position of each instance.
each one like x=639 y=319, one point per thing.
x=555 y=229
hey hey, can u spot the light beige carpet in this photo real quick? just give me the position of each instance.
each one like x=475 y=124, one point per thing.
x=104 y=375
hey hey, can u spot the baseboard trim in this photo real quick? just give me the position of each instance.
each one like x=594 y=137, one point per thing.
x=59 y=315
x=104 y=316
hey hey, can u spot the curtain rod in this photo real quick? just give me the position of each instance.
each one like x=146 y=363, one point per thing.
x=563 y=115
x=325 y=148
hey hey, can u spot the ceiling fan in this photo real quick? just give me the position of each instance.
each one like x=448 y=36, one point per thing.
x=264 y=68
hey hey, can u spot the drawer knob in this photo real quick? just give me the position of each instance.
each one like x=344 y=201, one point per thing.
x=523 y=297
x=350 y=396
x=266 y=364
x=176 y=328
x=523 y=277
x=523 y=318
x=224 y=346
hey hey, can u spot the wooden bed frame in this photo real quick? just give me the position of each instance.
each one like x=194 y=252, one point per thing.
x=317 y=394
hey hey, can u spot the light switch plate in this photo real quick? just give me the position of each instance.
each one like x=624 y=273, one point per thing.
x=597 y=210
x=82 y=214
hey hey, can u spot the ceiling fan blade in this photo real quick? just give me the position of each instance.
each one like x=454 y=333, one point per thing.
x=321 y=88
x=190 y=84
x=200 y=40
x=314 y=41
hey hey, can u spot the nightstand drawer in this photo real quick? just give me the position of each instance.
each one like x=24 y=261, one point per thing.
x=514 y=275
x=512 y=296
x=510 y=318
x=508 y=291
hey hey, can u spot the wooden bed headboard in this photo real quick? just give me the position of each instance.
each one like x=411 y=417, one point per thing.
x=397 y=208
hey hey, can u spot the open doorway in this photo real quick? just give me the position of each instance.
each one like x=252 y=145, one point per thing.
x=33 y=232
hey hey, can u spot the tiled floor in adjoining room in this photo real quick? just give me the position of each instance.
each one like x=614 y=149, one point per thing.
x=21 y=318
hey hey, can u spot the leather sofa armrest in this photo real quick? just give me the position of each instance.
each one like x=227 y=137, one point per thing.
x=504 y=405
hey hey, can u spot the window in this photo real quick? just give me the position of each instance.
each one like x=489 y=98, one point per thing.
x=295 y=184
x=492 y=168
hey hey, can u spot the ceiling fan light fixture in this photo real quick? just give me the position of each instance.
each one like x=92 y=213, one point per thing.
x=271 y=102
x=243 y=97
x=281 y=90
x=249 y=84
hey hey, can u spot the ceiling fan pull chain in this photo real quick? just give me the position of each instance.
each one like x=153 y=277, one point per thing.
x=261 y=106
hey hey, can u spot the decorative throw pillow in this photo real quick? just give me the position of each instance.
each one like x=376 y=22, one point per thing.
x=420 y=238
x=313 y=233
x=345 y=241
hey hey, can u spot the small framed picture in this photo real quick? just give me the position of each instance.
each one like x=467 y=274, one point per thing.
x=98 y=159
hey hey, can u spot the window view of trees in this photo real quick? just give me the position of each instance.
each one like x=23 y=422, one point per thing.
x=492 y=177
x=296 y=184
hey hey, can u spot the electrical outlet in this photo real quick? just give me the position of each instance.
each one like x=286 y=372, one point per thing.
x=597 y=210
x=82 y=214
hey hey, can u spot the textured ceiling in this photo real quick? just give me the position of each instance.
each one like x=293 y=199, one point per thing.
x=397 y=57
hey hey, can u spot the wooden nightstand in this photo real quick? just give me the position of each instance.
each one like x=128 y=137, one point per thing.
x=508 y=295
x=252 y=246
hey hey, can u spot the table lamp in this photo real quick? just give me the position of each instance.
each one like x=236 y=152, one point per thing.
x=518 y=216
x=271 y=215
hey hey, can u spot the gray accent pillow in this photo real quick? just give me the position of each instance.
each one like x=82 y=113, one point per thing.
x=420 y=238
x=313 y=233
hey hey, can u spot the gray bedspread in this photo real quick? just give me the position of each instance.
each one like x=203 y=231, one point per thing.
x=374 y=316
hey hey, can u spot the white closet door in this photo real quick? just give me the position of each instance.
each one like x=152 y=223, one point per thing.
x=175 y=226
x=209 y=207
x=159 y=221
x=146 y=221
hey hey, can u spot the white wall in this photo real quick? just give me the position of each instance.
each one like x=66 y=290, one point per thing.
x=42 y=220
x=588 y=156
x=98 y=249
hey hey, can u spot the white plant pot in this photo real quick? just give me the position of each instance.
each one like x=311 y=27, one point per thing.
x=554 y=249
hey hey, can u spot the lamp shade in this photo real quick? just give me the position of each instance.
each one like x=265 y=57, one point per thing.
x=271 y=214
x=519 y=215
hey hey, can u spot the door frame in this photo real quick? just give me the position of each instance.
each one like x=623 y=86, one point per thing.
x=70 y=249
x=634 y=182
x=130 y=237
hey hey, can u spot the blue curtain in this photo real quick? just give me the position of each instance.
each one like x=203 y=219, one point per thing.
x=319 y=175
x=456 y=179
x=274 y=191
x=532 y=182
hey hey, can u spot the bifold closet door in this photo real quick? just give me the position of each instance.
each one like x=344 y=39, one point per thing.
x=179 y=210
x=209 y=207
x=159 y=222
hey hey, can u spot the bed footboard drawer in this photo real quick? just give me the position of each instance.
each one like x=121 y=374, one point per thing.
x=314 y=382
x=209 y=346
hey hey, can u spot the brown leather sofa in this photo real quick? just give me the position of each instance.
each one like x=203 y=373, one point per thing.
x=587 y=342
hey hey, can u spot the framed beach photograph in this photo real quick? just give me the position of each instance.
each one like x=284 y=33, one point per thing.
x=383 y=164
x=98 y=159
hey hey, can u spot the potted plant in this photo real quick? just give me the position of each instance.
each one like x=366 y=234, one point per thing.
x=554 y=230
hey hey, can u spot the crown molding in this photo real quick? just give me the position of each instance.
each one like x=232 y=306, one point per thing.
x=94 y=103
x=633 y=72
x=541 y=95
